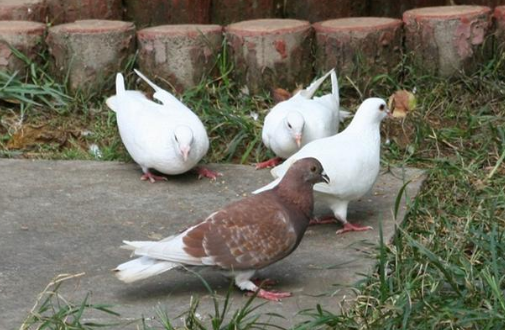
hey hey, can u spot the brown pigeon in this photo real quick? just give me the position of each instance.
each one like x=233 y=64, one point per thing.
x=240 y=238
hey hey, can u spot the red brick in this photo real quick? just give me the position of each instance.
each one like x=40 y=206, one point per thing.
x=447 y=40
x=230 y=11
x=270 y=53
x=179 y=54
x=488 y=3
x=23 y=10
x=499 y=18
x=67 y=11
x=159 y=12
x=91 y=51
x=387 y=8
x=358 y=46
x=321 y=10
x=25 y=36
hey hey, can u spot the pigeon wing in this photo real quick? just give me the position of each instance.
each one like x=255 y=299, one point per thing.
x=250 y=234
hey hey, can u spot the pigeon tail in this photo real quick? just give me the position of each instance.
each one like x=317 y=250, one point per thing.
x=334 y=88
x=269 y=186
x=160 y=94
x=309 y=92
x=120 y=89
x=142 y=268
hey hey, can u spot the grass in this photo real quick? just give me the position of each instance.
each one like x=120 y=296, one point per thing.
x=445 y=268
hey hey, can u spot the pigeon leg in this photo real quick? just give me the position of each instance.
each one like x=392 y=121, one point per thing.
x=327 y=219
x=152 y=178
x=242 y=280
x=204 y=172
x=269 y=163
x=350 y=227
x=264 y=282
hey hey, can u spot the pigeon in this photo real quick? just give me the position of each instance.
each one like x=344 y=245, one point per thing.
x=351 y=159
x=293 y=123
x=167 y=137
x=240 y=238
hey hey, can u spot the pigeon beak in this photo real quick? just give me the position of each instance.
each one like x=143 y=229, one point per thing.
x=298 y=139
x=185 y=153
x=389 y=113
x=325 y=177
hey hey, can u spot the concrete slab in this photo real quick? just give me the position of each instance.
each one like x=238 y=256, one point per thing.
x=71 y=216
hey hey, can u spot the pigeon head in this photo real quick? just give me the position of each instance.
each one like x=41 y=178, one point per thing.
x=183 y=137
x=307 y=170
x=372 y=110
x=294 y=123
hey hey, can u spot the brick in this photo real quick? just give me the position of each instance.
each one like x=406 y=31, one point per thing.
x=387 y=8
x=231 y=11
x=67 y=11
x=160 y=12
x=358 y=46
x=25 y=36
x=488 y=3
x=23 y=10
x=179 y=54
x=91 y=51
x=321 y=10
x=448 y=40
x=499 y=19
x=270 y=53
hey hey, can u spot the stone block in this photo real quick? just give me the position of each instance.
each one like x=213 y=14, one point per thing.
x=90 y=51
x=25 y=36
x=448 y=40
x=179 y=54
x=358 y=46
x=23 y=10
x=270 y=53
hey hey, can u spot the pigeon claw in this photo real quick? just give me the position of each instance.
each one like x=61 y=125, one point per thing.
x=204 y=172
x=271 y=295
x=152 y=178
x=269 y=163
x=350 y=227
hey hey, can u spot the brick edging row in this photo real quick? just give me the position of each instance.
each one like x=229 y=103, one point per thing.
x=265 y=53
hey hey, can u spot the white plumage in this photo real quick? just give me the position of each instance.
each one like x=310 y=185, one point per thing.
x=301 y=119
x=167 y=137
x=351 y=159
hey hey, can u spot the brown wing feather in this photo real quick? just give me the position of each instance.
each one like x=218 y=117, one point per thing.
x=251 y=233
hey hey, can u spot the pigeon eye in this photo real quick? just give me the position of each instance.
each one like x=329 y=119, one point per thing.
x=313 y=169
x=381 y=107
x=289 y=125
x=176 y=140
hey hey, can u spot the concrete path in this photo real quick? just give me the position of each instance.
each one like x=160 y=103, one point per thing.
x=71 y=216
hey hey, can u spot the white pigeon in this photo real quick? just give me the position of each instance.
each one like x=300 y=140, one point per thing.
x=293 y=123
x=167 y=137
x=351 y=159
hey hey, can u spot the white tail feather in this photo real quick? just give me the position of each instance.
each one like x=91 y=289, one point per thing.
x=142 y=268
x=311 y=90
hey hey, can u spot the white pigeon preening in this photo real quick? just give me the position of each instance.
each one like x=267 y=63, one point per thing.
x=351 y=159
x=240 y=238
x=293 y=123
x=167 y=137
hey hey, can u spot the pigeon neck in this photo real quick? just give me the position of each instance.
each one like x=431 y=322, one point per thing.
x=301 y=196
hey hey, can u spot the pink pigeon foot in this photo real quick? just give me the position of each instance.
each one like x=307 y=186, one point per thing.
x=204 y=172
x=350 y=227
x=329 y=219
x=269 y=163
x=152 y=178
x=270 y=295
